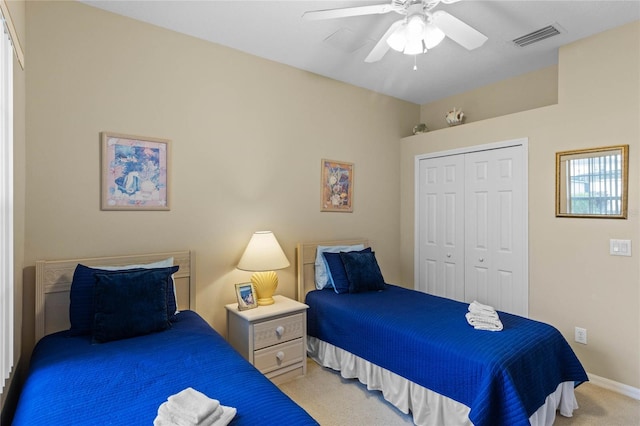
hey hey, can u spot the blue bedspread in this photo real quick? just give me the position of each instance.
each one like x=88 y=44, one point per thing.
x=74 y=382
x=503 y=377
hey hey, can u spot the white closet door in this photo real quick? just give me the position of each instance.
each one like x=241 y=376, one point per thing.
x=440 y=227
x=471 y=225
x=495 y=227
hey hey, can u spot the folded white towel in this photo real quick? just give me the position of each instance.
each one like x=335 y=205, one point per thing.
x=480 y=322
x=213 y=417
x=483 y=310
x=165 y=413
x=161 y=421
x=191 y=405
x=221 y=417
x=227 y=415
x=489 y=327
x=173 y=411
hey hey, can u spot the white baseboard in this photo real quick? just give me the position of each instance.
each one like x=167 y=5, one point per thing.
x=614 y=386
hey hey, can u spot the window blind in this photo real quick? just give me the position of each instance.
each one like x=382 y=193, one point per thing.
x=6 y=207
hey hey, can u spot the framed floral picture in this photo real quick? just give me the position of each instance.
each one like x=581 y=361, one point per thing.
x=135 y=172
x=246 y=295
x=336 y=186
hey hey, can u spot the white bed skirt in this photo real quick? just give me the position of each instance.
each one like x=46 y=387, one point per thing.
x=428 y=408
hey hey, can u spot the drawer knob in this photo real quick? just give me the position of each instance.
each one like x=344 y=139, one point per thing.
x=280 y=356
x=280 y=330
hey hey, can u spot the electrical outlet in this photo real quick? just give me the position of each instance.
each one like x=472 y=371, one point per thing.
x=581 y=335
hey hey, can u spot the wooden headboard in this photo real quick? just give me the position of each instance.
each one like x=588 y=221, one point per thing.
x=306 y=258
x=53 y=283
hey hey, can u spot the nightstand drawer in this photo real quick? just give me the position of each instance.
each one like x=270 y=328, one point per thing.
x=271 y=337
x=279 y=356
x=279 y=330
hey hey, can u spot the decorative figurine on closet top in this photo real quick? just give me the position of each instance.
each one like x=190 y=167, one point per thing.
x=454 y=117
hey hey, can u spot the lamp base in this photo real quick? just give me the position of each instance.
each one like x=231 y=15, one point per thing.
x=265 y=284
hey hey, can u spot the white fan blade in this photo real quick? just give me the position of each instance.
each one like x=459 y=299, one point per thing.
x=458 y=31
x=381 y=48
x=347 y=11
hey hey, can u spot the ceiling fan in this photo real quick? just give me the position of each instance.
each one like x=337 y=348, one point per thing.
x=419 y=30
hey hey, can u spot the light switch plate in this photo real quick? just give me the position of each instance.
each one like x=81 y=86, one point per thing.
x=620 y=247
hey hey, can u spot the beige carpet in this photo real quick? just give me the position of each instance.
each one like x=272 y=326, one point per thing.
x=602 y=407
x=334 y=401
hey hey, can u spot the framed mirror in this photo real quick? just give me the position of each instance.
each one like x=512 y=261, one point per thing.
x=592 y=182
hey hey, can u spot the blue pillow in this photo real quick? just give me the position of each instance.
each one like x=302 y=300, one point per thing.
x=337 y=275
x=363 y=272
x=81 y=309
x=165 y=263
x=321 y=268
x=130 y=303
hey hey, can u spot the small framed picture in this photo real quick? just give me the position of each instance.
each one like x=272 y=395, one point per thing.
x=336 y=186
x=135 y=172
x=247 y=298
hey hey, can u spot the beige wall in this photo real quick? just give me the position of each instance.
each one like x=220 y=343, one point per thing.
x=573 y=281
x=524 y=92
x=247 y=138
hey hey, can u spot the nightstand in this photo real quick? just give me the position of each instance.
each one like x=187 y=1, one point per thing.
x=273 y=338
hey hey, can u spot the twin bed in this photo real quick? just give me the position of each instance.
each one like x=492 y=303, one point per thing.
x=419 y=350
x=75 y=380
x=416 y=348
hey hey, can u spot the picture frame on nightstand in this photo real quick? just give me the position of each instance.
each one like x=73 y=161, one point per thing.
x=246 y=294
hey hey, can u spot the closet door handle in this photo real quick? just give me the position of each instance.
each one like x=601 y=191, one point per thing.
x=448 y=254
x=481 y=260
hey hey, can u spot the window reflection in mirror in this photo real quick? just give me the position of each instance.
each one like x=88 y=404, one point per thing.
x=592 y=182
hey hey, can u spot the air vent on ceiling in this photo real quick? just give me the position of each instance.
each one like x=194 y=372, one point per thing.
x=536 y=36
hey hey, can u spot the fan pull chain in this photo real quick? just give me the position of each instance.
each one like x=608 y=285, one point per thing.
x=415 y=62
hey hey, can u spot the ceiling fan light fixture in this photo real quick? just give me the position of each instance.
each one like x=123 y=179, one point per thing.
x=432 y=36
x=407 y=38
x=414 y=47
x=420 y=29
x=397 y=40
x=415 y=27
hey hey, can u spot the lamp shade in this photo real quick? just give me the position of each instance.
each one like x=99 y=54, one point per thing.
x=263 y=253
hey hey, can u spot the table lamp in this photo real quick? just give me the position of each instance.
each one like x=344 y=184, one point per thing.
x=263 y=256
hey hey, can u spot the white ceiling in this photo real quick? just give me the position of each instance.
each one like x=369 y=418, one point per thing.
x=275 y=30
